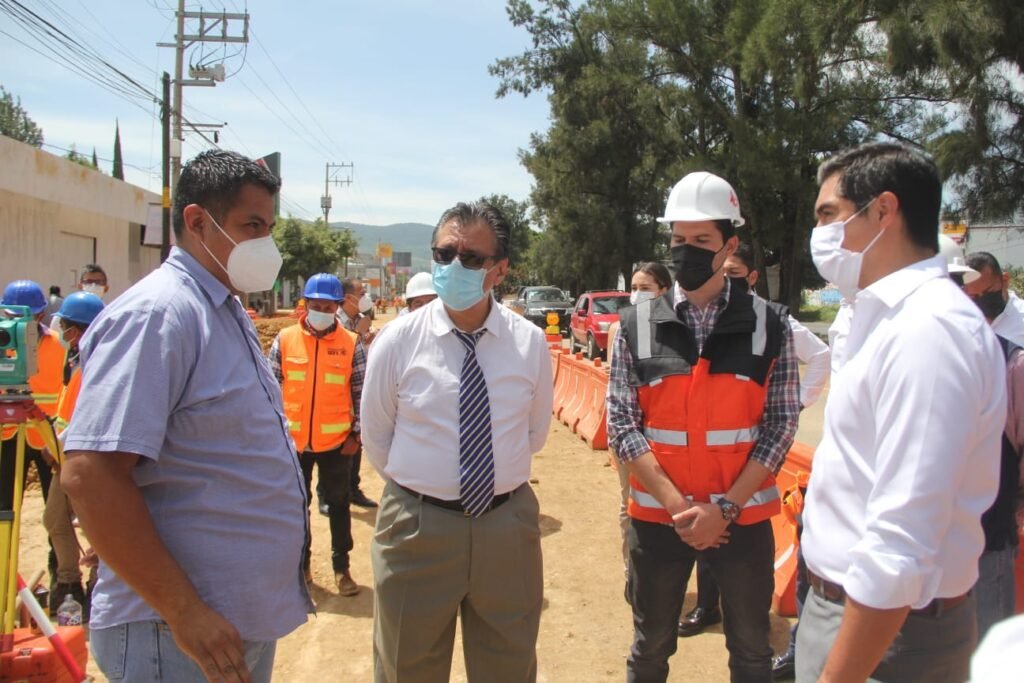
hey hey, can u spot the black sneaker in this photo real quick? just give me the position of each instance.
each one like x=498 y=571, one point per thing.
x=359 y=498
x=784 y=667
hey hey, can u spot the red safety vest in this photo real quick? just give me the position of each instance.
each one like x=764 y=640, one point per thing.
x=317 y=392
x=701 y=413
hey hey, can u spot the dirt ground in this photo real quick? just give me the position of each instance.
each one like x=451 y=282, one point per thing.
x=585 y=629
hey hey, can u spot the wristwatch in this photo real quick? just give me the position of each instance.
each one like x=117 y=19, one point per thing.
x=730 y=510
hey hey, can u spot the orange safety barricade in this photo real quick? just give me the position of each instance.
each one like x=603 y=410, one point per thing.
x=573 y=408
x=793 y=477
x=555 y=354
x=562 y=384
x=592 y=426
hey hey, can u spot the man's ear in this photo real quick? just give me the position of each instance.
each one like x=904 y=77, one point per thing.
x=1006 y=282
x=195 y=218
x=888 y=209
x=752 y=278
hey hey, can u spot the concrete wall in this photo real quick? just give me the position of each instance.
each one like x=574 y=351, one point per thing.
x=1005 y=242
x=56 y=216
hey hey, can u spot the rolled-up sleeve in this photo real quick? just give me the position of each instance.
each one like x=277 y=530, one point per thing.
x=781 y=408
x=378 y=406
x=134 y=368
x=921 y=441
x=625 y=419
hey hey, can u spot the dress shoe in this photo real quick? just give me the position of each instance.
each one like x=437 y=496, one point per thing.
x=325 y=510
x=359 y=498
x=697 y=620
x=346 y=584
x=784 y=667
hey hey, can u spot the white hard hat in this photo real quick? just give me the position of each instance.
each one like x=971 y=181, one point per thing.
x=419 y=284
x=702 y=196
x=955 y=262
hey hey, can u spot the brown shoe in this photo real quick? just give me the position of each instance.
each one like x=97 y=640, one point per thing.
x=347 y=586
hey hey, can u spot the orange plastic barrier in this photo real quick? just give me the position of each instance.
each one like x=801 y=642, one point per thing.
x=794 y=474
x=562 y=384
x=33 y=658
x=575 y=401
x=555 y=354
x=592 y=426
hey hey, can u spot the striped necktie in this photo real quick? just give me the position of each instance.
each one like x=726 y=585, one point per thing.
x=476 y=457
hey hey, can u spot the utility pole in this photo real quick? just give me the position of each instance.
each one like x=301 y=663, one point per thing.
x=213 y=27
x=165 y=165
x=331 y=178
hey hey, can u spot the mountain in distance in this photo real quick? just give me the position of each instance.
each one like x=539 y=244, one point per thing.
x=413 y=237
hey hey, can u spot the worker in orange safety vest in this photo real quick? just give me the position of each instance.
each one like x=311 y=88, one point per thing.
x=320 y=366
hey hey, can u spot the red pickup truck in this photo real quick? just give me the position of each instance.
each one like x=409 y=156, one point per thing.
x=593 y=315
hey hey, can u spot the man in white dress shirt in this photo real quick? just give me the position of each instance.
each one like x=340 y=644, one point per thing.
x=457 y=399
x=909 y=458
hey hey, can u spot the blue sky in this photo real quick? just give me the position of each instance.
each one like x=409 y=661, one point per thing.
x=399 y=87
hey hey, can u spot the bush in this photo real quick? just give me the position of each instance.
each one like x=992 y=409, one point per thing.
x=816 y=314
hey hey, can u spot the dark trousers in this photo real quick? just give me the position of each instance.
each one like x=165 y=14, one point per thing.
x=8 y=452
x=354 y=479
x=661 y=564
x=332 y=469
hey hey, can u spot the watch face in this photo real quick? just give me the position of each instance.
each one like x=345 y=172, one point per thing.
x=731 y=511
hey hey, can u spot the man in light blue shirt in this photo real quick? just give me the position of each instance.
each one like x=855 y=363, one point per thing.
x=179 y=462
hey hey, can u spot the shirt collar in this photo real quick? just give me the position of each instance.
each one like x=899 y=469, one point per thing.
x=180 y=259
x=679 y=296
x=441 y=323
x=897 y=286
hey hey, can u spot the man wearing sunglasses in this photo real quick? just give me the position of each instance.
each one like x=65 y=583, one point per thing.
x=457 y=398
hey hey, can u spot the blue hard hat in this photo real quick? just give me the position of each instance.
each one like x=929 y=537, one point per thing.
x=25 y=293
x=323 y=286
x=81 y=308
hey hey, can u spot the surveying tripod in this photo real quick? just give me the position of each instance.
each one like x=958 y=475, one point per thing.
x=19 y=409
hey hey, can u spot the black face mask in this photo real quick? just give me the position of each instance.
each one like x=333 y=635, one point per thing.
x=739 y=284
x=990 y=303
x=693 y=266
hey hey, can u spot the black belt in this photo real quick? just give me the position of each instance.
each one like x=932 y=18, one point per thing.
x=833 y=592
x=455 y=505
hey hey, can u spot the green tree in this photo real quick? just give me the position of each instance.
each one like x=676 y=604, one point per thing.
x=95 y=160
x=118 y=169
x=15 y=122
x=309 y=248
x=77 y=157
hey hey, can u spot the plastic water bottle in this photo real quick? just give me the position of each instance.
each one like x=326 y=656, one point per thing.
x=70 y=612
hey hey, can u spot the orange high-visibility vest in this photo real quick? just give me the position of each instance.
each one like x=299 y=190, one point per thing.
x=701 y=413
x=68 y=399
x=317 y=387
x=45 y=385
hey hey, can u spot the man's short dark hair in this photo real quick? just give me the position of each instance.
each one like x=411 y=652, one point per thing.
x=348 y=286
x=90 y=268
x=982 y=260
x=725 y=227
x=463 y=214
x=55 y=290
x=868 y=170
x=213 y=180
x=745 y=255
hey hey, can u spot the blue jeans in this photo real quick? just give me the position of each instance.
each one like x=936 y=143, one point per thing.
x=146 y=651
x=660 y=566
x=995 y=588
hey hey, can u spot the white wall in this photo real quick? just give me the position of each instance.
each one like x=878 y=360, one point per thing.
x=1005 y=242
x=54 y=213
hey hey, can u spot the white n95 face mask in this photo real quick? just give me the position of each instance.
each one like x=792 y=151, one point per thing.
x=365 y=303
x=93 y=288
x=320 y=321
x=639 y=296
x=253 y=265
x=839 y=266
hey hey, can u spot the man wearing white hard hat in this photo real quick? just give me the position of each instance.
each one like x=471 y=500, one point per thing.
x=418 y=293
x=703 y=402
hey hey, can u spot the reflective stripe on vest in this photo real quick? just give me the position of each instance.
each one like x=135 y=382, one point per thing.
x=331 y=378
x=761 y=497
x=296 y=375
x=340 y=428
x=643 y=330
x=715 y=437
x=759 y=341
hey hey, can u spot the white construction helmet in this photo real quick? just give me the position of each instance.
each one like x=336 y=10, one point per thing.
x=419 y=284
x=702 y=196
x=955 y=261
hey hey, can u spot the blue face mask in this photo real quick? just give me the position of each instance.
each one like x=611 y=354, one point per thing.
x=458 y=287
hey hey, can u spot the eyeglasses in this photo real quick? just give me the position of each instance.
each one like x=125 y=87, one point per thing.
x=468 y=259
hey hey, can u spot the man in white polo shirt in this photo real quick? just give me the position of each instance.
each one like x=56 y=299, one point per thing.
x=909 y=458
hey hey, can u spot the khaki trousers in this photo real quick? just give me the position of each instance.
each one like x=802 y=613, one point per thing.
x=431 y=565
x=57 y=521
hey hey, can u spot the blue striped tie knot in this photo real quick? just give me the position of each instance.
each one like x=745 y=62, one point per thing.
x=476 y=454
